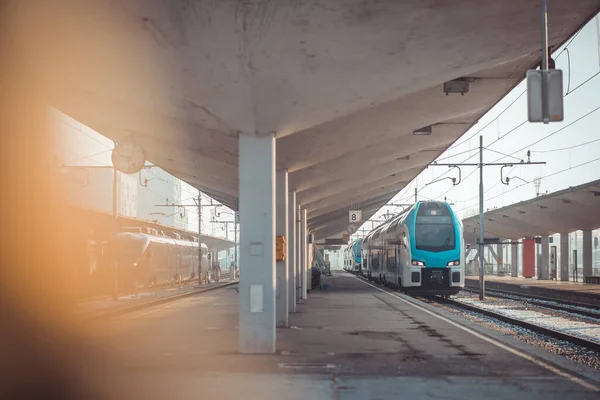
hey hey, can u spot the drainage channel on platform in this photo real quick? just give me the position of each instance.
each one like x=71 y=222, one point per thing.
x=306 y=366
x=292 y=353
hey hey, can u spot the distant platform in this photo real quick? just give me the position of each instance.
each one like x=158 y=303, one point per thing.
x=575 y=292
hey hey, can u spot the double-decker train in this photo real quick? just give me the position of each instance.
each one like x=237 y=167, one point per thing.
x=420 y=251
x=146 y=260
x=353 y=257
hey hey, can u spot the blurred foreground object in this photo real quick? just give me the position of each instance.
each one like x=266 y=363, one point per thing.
x=43 y=351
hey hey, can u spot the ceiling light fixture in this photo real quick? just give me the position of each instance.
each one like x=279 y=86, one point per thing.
x=423 y=131
x=456 y=86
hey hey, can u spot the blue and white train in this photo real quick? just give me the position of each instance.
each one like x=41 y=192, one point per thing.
x=353 y=257
x=420 y=251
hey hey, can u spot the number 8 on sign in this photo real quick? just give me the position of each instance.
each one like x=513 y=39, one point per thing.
x=355 y=215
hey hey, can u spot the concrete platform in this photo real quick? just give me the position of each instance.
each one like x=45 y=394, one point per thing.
x=354 y=341
x=584 y=293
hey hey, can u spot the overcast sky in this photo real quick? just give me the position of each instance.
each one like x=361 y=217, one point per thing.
x=564 y=168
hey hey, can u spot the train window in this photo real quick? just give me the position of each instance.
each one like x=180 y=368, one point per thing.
x=391 y=259
x=433 y=208
x=393 y=226
x=376 y=234
x=434 y=228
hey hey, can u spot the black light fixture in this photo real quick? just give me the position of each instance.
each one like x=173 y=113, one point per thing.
x=460 y=85
x=423 y=131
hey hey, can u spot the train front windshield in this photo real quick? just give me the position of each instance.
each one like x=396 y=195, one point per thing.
x=130 y=250
x=434 y=228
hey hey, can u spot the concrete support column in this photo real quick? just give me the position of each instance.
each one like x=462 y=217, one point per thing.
x=299 y=284
x=281 y=229
x=545 y=259
x=514 y=260
x=564 y=256
x=587 y=254
x=257 y=243
x=309 y=258
x=304 y=254
x=292 y=243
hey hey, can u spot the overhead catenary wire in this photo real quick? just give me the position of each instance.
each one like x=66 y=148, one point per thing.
x=88 y=157
x=583 y=83
x=503 y=154
x=566 y=148
x=514 y=129
x=542 y=177
x=488 y=147
x=79 y=129
x=552 y=133
x=569 y=92
x=565 y=48
x=528 y=146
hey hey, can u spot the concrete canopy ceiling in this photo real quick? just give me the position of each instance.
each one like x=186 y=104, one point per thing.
x=342 y=83
x=565 y=211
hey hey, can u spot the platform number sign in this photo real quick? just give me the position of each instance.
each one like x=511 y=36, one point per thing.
x=355 y=216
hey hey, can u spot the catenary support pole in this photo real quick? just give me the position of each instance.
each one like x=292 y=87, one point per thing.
x=481 y=229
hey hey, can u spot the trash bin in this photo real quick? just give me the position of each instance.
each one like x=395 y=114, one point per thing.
x=316 y=278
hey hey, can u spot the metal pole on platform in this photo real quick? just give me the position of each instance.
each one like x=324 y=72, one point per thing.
x=481 y=236
x=116 y=234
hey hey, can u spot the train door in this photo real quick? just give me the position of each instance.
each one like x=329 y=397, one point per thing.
x=404 y=256
x=178 y=260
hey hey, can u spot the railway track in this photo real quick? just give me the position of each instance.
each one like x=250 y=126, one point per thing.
x=154 y=289
x=570 y=307
x=113 y=312
x=585 y=343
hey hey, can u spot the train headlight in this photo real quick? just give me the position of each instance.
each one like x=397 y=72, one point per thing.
x=418 y=263
x=453 y=263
